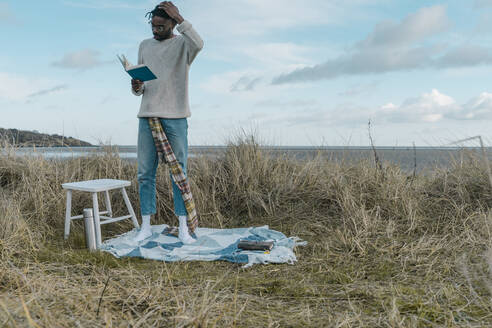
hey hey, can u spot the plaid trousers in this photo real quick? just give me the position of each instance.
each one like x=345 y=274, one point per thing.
x=166 y=155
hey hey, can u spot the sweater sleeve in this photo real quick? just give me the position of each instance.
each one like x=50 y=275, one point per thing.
x=193 y=41
x=140 y=61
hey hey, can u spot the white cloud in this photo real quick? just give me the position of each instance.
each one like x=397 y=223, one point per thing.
x=20 y=88
x=415 y=27
x=436 y=106
x=110 y=4
x=47 y=91
x=359 y=89
x=225 y=82
x=83 y=59
x=266 y=61
x=483 y=3
x=277 y=54
x=484 y=24
x=315 y=115
x=396 y=47
x=245 y=83
x=477 y=108
x=252 y=18
x=466 y=56
x=429 y=107
x=5 y=14
x=389 y=107
x=295 y=103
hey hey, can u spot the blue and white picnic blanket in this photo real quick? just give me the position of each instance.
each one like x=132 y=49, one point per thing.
x=211 y=244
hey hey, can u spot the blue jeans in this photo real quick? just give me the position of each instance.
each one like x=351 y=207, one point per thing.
x=147 y=160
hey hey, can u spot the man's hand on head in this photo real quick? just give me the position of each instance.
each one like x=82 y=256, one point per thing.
x=171 y=10
x=137 y=85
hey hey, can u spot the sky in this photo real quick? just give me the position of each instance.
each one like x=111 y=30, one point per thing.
x=291 y=73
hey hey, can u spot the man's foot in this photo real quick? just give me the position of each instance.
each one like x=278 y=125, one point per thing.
x=144 y=233
x=185 y=238
x=183 y=233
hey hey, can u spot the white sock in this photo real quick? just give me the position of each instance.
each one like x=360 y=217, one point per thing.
x=183 y=222
x=184 y=234
x=145 y=230
x=145 y=221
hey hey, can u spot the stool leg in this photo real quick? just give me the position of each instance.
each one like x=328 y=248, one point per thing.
x=68 y=214
x=108 y=203
x=97 y=221
x=130 y=208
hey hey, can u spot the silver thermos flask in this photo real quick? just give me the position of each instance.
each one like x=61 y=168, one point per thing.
x=90 y=234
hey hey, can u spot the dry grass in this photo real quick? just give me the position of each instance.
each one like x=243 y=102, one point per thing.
x=384 y=249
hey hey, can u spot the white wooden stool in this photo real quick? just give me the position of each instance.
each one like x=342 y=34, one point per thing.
x=95 y=186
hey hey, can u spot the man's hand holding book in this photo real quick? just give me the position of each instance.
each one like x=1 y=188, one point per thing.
x=137 y=85
x=139 y=73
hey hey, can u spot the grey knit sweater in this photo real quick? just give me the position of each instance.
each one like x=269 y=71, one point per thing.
x=169 y=60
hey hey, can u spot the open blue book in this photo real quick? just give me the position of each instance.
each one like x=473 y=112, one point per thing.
x=139 y=72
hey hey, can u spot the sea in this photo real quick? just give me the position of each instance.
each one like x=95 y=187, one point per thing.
x=407 y=158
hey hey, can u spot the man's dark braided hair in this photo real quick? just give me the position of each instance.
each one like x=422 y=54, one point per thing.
x=157 y=12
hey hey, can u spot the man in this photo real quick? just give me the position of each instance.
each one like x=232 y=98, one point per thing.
x=169 y=56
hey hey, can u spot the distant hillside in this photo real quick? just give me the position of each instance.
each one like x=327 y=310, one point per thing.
x=34 y=138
